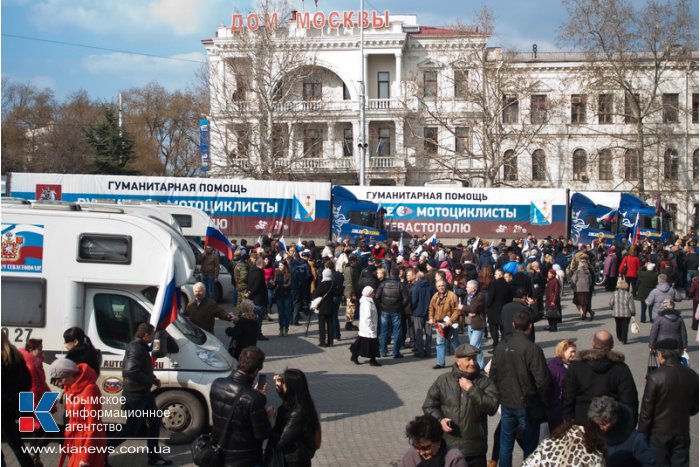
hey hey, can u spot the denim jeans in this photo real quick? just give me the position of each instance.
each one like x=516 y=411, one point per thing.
x=395 y=320
x=440 y=345
x=208 y=282
x=259 y=311
x=284 y=311
x=475 y=338
x=511 y=421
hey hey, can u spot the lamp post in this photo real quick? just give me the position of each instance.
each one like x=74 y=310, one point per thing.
x=363 y=145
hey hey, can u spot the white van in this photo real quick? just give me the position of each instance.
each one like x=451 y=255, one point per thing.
x=101 y=270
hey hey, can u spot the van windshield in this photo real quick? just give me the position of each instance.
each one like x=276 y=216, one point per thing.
x=189 y=330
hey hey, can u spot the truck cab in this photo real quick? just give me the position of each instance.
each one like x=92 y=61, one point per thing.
x=102 y=270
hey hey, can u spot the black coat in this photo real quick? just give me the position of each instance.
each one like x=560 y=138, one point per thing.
x=520 y=371
x=499 y=293
x=294 y=434
x=670 y=399
x=597 y=373
x=325 y=289
x=15 y=378
x=249 y=425
x=244 y=334
x=391 y=296
x=137 y=369
x=257 y=287
x=85 y=353
x=507 y=314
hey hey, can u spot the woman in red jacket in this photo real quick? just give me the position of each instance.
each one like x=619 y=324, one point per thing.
x=34 y=359
x=629 y=266
x=85 y=433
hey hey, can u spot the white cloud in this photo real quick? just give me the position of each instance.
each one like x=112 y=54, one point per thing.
x=43 y=81
x=174 y=72
x=129 y=18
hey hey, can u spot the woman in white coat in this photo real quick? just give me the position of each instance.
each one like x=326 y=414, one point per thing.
x=367 y=343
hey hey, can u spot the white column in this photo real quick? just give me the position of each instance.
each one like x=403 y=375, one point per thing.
x=356 y=154
x=331 y=143
x=398 y=138
x=399 y=69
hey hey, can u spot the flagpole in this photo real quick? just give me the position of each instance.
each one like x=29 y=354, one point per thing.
x=363 y=145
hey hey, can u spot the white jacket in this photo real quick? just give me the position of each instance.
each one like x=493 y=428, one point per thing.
x=368 y=318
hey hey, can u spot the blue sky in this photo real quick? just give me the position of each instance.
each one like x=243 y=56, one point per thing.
x=169 y=32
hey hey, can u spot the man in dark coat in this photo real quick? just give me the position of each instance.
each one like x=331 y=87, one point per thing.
x=391 y=298
x=670 y=399
x=499 y=293
x=203 y=310
x=257 y=292
x=520 y=372
x=351 y=291
x=249 y=424
x=421 y=293
x=520 y=302
x=462 y=400
x=599 y=371
x=301 y=285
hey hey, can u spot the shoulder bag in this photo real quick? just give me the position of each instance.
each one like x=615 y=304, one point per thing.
x=206 y=449
x=316 y=302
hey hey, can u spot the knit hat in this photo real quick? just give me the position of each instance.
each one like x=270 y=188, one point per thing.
x=327 y=275
x=62 y=367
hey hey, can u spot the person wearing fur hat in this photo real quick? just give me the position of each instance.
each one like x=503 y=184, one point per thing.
x=367 y=342
x=84 y=434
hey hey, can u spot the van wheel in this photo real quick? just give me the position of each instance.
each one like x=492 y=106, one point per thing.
x=219 y=292
x=187 y=416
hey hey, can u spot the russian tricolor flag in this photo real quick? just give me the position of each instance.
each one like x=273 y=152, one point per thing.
x=167 y=302
x=218 y=241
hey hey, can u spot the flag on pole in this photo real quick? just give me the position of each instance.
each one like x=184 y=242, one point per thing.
x=608 y=216
x=432 y=239
x=283 y=244
x=167 y=301
x=218 y=241
x=401 y=244
x=637 y=228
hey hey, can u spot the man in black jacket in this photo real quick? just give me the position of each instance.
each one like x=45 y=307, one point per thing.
x=499 y=293
x=391 y=298
x=670 y=399
x=521 y=302
x=520 y=372
x=137 y=371
x=599 y=371
x=235 y=401
x=257 y=290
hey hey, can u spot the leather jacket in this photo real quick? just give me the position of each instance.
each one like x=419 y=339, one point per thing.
x=391 y=296
x=294 y=434
x=249 y=426
x=137 y=369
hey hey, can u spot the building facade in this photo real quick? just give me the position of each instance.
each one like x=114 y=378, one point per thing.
x=442 y=107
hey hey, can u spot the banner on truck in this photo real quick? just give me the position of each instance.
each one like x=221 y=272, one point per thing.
x=238 y=207
x=453 y=212
x=22 y=248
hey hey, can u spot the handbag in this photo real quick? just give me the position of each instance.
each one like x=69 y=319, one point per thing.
x=273 y=456
x=316 y=302
x=206 y=449
x=653 y=362
x=634 y=327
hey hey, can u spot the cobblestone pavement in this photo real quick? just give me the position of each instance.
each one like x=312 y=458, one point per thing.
x=364 y=410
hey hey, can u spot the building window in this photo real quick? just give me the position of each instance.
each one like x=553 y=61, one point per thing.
x=605 y=109
x=695 y=108
x=280 y=141
x=430 y=83
x=313 y=143
x=430 y=138
x=462 y=143
x=631 y=165
x=346 y=93
x=579 y=164
x=241 y=89
x=605 y=165
x=578 y=108
x=461 y=83
x=631 y=108
x=671 y=164
x=672 y=210
x=383 y=85
x=347 y=142
x=695 y=165
x=511 y=109
x=510 y=166
x=538 y=109
x=670 y=108
x=242 y=141
x=312 y=91
x=539 y=166
x=384 y=144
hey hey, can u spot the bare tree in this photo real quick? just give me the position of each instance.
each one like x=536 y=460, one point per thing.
x=634 y=49
x=165 y=129
x=476 y=108
x=263 y=97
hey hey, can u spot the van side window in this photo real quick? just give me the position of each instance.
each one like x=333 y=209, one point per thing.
x=185 y=220
x=99 y=248
x=116 y=317
x=23 y=301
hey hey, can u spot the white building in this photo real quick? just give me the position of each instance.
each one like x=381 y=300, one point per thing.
x=442 y=107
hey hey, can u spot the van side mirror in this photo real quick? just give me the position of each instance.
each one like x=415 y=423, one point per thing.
x=163 y=344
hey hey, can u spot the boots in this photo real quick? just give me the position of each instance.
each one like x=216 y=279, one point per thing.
x=354 y=359
x=373 y=362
